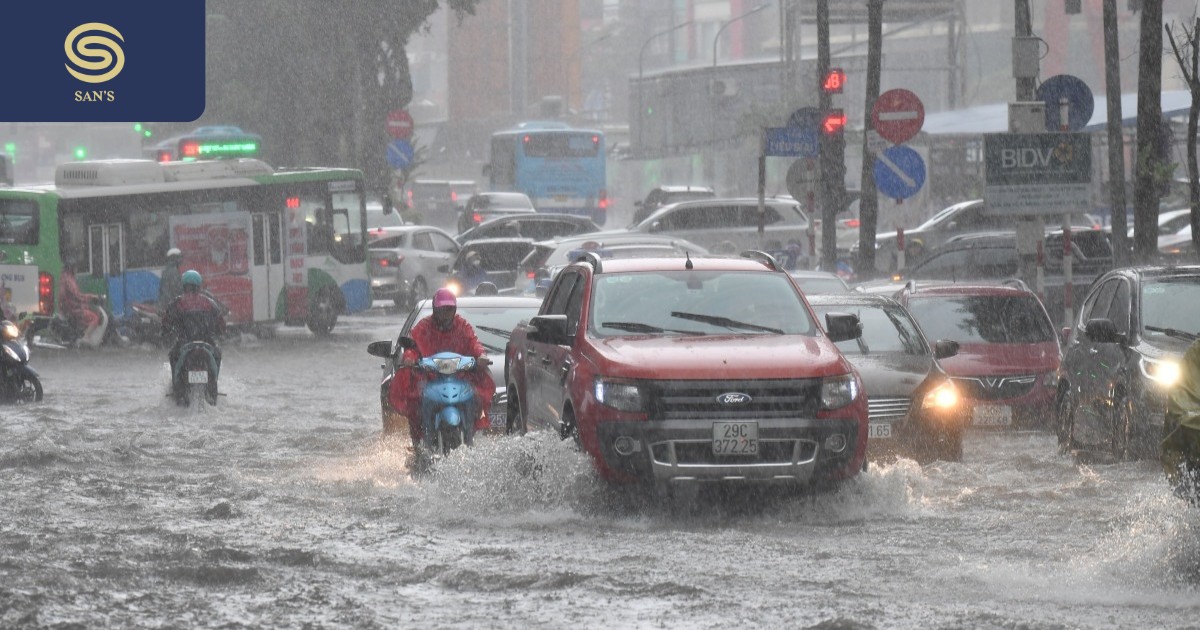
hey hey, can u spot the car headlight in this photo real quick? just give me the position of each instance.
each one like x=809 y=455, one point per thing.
x=944 y=396
x=620 y=395
x=1050 y=379
x=838 y=391
x=1162 y=371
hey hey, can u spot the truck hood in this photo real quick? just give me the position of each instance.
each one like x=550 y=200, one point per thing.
x=987 y=359
x=734 y=356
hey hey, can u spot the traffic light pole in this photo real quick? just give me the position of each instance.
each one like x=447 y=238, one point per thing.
x=833 y=150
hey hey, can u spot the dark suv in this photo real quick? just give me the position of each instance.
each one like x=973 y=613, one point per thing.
x=673 y=371
x=1122 y=356
x=1008 y=353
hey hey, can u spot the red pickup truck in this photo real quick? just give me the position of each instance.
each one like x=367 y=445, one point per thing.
x=669 y=370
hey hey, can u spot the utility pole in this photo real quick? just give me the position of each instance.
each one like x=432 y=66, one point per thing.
x=833 y=149
x=1030 y=229
x=1024 y=28
x=1116 y=139
x=868 y=209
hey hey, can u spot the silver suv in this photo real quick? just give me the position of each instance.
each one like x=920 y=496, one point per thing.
x=731 y=225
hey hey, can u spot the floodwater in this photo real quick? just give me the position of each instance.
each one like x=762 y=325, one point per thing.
x=281 y=507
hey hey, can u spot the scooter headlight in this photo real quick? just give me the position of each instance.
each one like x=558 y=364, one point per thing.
x=9 y=331
x=12 y=354
x=445 y=366
x=1162 y=371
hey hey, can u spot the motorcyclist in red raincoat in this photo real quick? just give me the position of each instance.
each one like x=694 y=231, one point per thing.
x=443 y=331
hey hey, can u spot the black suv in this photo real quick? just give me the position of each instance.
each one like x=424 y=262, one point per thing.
x=1123 y=355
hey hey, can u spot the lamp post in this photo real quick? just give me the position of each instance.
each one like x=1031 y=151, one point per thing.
x=712 y=114
x=641 y=73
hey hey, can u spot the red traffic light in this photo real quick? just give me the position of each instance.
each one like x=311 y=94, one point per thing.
x=834 y=81
x=834 y=122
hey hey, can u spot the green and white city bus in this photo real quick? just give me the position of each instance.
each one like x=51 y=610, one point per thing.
x=274 y=245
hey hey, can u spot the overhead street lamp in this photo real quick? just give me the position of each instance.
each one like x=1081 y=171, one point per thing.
x=641 y=73
x=713 y=76
x=724 y=25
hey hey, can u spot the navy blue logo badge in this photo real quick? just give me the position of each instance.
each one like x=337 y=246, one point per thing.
x=88 y=61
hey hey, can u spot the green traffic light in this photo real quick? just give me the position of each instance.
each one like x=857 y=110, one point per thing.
x=147 y=133
x=10 y=147
x=80 y=153
x=137 y=127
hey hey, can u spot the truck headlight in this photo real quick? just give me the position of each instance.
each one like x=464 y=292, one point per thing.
x=1165 y=372
x=620 y=395
x=838 y=391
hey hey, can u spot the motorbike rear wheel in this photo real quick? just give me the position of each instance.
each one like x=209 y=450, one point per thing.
x=449 y=439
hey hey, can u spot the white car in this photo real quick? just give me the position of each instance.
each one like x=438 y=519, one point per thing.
x=405 y=262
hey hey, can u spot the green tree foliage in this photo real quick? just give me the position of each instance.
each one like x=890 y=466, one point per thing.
x=315 y=79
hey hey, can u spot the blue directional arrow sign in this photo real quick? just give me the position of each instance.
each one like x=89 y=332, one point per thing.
x=1068 y=92
x=899 y=172
x=399 y=154
x=791 y=142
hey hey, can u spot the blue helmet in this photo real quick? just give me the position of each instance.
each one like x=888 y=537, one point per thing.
x=192 y=277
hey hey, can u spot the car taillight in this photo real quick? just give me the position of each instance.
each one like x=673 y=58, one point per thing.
x=477 y=218
x=453 y=196
x=852 y=223
x=45 y=293
x=603 y=203
x=531 y=274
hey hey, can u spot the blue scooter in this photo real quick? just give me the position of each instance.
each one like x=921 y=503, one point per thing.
x=445 y=400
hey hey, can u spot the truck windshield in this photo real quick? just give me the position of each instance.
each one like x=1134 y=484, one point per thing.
x=697 y=302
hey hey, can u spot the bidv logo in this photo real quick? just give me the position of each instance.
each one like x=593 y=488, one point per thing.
x=95 y=56
x=734 y=398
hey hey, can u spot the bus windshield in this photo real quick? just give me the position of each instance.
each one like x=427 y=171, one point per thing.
x=18 y=222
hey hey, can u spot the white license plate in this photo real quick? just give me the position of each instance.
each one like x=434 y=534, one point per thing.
x=877 y=430
x=197 y=376
x=735 y=438
x=497 y=418
x=991 y=415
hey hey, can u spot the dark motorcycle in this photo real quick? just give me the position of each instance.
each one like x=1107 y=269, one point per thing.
x=143 y=324
x=19 y=383
x=195 y=374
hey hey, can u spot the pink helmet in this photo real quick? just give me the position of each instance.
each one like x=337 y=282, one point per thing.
x=444 y=297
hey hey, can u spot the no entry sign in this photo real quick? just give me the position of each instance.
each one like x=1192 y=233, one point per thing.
x=898 y=115
x=399 y=124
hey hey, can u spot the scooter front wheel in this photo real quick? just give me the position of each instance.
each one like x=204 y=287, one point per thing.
x=29 y=390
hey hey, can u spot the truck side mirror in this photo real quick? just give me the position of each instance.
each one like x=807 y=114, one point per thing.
x=842 y=326
x=550 y=329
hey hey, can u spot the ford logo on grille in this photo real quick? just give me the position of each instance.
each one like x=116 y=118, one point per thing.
x=734 y=398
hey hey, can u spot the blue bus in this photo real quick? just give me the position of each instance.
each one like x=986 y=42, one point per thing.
x=560 y=168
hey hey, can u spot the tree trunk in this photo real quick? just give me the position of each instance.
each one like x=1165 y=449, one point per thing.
x=868 y=208
x=1116 y=138
x=1149 y=129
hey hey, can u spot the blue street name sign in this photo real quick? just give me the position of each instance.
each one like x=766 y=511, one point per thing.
x=399 y=153
x=899 y=172
x=791 y=142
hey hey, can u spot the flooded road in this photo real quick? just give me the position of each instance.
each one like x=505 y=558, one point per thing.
x=282 y=508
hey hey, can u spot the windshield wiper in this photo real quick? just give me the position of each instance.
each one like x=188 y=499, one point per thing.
x=639 y=327
x=1172 y=332
x=725 y=322
x=499 y=332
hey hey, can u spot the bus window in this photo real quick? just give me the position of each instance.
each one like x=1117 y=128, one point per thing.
x=18 y=222
x=149 y=239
